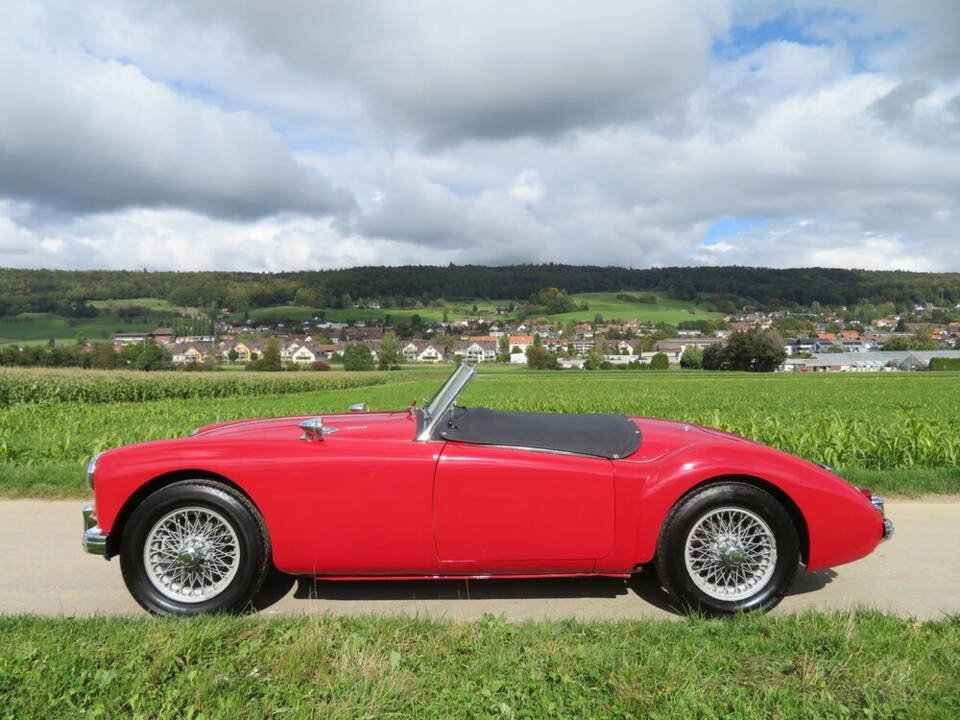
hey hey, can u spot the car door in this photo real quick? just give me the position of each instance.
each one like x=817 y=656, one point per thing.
x=368 y=506
x=509 y=510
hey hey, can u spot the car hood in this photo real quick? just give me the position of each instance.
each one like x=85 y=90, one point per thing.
x=373 y=425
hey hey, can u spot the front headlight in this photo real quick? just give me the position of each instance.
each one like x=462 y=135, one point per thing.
x=91 y=469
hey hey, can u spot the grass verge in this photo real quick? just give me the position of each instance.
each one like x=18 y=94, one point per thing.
x=909 y=483
x=47 y=481
x=857 y=664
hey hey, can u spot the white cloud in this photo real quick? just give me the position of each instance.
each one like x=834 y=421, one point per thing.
x=447 y=71
x=80 y=134
x=528 y=188
x=474 y=132
x=822 y=243
x=182 y=240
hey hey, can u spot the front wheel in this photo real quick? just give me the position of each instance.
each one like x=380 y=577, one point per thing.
x=194 y=547
x=728 y=548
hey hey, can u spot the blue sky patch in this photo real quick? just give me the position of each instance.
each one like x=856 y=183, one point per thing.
x=807 y=28
x=743 y=39
x=726 y=228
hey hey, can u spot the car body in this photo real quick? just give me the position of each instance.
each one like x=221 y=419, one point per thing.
x=446 y=492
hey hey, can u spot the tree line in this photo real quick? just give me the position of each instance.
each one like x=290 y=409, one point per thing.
x=135 y=356
x=69 y=291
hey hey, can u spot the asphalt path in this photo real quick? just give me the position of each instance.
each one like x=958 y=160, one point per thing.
x=914 y=574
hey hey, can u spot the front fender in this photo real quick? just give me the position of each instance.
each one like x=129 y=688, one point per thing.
x=842 y=525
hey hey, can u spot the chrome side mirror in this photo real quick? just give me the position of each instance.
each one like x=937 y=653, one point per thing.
x=359 y=408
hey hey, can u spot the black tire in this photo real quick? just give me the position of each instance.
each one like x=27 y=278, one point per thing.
x=233 y=525
x=710 y=582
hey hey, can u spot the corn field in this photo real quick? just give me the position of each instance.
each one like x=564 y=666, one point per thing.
x=869 y=421
x=889 y=421
x=111 y=386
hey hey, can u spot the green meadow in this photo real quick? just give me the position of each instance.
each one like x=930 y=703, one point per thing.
x=664 y=310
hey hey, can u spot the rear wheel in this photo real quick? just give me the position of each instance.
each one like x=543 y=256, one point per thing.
x=194 y=547
x=728 y=548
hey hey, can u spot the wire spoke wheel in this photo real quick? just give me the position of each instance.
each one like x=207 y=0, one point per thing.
x=191 y=554
x=730 y=553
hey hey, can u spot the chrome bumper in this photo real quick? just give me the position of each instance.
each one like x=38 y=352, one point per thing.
x=887 y=524
x=94 y=540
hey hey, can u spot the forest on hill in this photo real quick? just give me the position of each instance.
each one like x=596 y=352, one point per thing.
x=68 y=291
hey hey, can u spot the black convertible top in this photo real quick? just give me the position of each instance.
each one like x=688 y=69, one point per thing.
x=610 y=436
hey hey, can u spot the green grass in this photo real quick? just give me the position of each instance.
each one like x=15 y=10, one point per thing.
x=32 y=328
x=431 y=314
x=51 y=481
x=911 y=483
x=895 y=433
x=664 y=310
x=157 y=304
x=841 y=665
x=39 y=327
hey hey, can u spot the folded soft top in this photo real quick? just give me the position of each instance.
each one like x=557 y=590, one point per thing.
x=610 y=436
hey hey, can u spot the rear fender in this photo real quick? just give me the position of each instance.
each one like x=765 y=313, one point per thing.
x=838 y=524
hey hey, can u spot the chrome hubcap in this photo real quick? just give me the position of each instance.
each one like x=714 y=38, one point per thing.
x=734 y=556
x=730 y=553
x=191 y=554
x=189 y=557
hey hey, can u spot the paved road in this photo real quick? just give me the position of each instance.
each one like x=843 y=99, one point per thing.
x=917 y=573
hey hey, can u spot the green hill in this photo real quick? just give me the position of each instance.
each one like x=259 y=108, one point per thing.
x=428 y=314
x=664 y=310
x=40 y=327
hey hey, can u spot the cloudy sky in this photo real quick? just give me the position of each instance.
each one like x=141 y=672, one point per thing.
x=300 y=134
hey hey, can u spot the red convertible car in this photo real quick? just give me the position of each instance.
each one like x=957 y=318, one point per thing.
x=443 y=491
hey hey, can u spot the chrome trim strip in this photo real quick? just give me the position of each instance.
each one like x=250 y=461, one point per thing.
x=537 y=449
x=94 y=540
x=91 y=469
x=549 y=451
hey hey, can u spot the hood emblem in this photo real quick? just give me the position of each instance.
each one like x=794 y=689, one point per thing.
x=314 y=429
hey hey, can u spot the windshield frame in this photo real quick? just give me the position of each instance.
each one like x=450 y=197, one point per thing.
x=445 y=398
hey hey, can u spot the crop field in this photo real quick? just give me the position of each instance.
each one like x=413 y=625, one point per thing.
x=900 y=432
x=31 y=385
x=874 y=421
